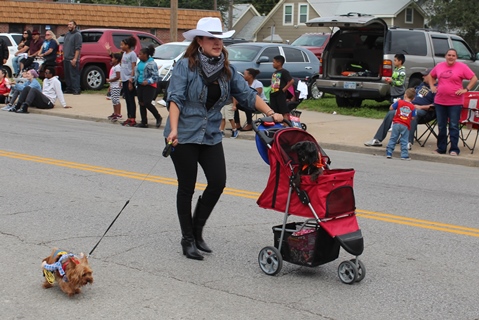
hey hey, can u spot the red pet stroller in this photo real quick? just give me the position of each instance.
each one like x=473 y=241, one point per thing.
x=328 y=204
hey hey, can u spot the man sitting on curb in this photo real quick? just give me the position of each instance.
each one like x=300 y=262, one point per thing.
x=45 y=99
x=424 y=104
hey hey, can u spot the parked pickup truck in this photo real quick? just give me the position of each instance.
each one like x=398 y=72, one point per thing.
x=359 y=56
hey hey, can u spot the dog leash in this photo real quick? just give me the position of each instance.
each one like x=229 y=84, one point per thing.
x=127 y=202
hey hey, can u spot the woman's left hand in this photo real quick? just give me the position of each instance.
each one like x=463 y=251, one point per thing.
x=461 y=91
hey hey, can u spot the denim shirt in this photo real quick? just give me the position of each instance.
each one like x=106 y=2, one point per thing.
x=196 y=124
x=146 y=70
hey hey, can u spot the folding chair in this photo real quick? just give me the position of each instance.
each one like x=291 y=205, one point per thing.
x=430 y=121
x=469 y=119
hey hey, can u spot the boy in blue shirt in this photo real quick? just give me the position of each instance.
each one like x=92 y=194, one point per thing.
x=405 y=112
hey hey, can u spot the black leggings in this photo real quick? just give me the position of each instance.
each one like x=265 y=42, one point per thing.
x=146 y=94
x=185 y=159
x=129 y=100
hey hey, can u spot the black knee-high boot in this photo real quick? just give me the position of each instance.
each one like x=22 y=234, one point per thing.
x=200 y=216
x=188 y=240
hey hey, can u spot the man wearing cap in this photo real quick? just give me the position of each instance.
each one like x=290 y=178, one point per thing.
x=424 y=104
x=71 y=58
x=35 y=47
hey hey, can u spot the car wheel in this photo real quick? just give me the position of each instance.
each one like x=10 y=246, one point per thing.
x=93 y=78
x=314 y=92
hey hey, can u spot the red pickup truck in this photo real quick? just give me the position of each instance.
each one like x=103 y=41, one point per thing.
x=95 y=62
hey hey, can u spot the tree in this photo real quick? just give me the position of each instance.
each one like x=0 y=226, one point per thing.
x=459 y=16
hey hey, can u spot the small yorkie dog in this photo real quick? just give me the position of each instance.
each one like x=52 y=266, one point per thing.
x=70 y=271
x=309 y=160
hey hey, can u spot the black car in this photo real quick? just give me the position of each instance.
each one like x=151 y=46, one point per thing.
x=301 y=63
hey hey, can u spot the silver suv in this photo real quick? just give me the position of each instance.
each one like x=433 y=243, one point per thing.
x=359 y=56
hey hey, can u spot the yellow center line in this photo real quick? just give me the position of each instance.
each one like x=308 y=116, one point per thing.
x=386 y=217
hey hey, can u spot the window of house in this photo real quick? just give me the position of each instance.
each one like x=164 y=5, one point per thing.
x=288 y=14
x=409 y=15
x=16 y=28
x=303 y=13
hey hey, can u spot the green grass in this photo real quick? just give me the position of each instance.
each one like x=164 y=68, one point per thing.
x=327 y=104
x=102 y=91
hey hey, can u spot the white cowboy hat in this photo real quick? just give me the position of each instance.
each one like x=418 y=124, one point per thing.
x=208 y=27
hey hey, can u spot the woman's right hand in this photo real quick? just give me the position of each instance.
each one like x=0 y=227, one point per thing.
x=173 y=137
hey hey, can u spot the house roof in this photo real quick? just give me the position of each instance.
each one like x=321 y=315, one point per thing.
x=89 y=15
x=378 y=8
x=248 y=31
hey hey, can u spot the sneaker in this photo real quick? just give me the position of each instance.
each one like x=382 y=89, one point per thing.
x=132 y=123
x=116 y=117
x=389 y=156
x=141 y=125
x=409 y=145
x=373 y=143
x=7 y=107
x=129 y=123
x=111 y=116
x=407 y=159
x=234 y=133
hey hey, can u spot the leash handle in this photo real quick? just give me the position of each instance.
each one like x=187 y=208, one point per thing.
x=96 y=245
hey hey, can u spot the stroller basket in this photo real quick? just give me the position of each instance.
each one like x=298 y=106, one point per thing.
x=305 y=243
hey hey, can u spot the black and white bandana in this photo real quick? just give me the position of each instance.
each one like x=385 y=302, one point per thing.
x=211 y=67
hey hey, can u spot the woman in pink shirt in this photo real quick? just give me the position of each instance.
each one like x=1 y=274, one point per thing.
x=449 y=98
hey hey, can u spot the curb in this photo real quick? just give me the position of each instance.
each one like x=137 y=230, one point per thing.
x=249 y=135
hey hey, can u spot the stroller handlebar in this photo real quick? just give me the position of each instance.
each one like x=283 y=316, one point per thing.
x=266 y=136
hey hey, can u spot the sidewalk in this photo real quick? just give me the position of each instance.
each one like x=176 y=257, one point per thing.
x=335 y=132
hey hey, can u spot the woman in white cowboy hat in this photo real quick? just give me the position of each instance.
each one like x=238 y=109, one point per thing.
x=199 y=87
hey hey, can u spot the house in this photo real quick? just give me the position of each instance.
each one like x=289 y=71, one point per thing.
x=16 y=16
x=287 y=19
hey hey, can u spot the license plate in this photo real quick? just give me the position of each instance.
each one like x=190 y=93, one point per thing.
x=350 y=85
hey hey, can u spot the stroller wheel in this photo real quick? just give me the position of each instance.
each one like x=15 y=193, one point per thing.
x=304 y=126
x=347 y=272
x=361 y=270
x=270 y=260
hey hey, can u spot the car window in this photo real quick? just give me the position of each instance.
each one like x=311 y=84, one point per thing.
x=463 y=51
x=242 y=53
x=407 y=42
x=7 y=40
x=118 y=37
x=93 y=36
x=146 y=40
x=293 y=55
x=168 y=51
x=17 y=38
x=270 y=52
x=440 y=45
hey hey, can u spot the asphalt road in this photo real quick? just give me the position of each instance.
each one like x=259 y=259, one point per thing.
x=63 y=181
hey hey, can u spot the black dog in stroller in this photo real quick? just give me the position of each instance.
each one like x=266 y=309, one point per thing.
x=302 y=184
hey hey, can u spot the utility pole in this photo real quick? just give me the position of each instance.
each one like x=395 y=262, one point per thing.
x=215 y=5
x=230 y=15
x=174 y=20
